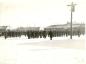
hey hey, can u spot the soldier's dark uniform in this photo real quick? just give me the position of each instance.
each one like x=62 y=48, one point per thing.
x=50 y=35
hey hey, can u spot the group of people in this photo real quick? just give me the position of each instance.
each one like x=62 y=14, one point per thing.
x=39 y=34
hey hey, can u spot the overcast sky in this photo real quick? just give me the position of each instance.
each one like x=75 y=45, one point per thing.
x=41 y=13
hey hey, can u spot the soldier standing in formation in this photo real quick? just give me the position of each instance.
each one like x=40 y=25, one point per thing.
x=50 y=35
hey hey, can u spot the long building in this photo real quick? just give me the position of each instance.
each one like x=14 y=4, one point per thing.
x=66 y=27
x=28 y=29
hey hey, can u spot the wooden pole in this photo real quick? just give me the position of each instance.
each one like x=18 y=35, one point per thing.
x=71 y=24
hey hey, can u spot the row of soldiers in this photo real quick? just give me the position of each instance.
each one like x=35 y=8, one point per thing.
x=39 y=34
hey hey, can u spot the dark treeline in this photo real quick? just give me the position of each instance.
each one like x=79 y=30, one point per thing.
x=39 y=34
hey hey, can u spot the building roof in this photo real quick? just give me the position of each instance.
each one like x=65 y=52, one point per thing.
x=65 y=26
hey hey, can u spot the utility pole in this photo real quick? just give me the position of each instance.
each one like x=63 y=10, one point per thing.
x=72 y=5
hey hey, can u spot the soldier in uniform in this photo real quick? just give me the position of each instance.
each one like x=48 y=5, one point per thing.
x=44 y=34
x=5 y=35
x=50 y=35
x=28 y=34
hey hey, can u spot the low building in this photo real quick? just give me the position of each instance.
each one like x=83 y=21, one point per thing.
x=2 y=29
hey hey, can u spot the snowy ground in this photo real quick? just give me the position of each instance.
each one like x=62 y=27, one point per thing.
x=60 y=50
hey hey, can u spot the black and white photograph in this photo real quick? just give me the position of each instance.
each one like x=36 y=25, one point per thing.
x=42 y=32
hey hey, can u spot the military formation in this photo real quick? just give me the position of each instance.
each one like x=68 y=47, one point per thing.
x=39 y=34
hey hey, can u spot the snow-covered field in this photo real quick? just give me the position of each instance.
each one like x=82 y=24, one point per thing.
x=60 y=50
